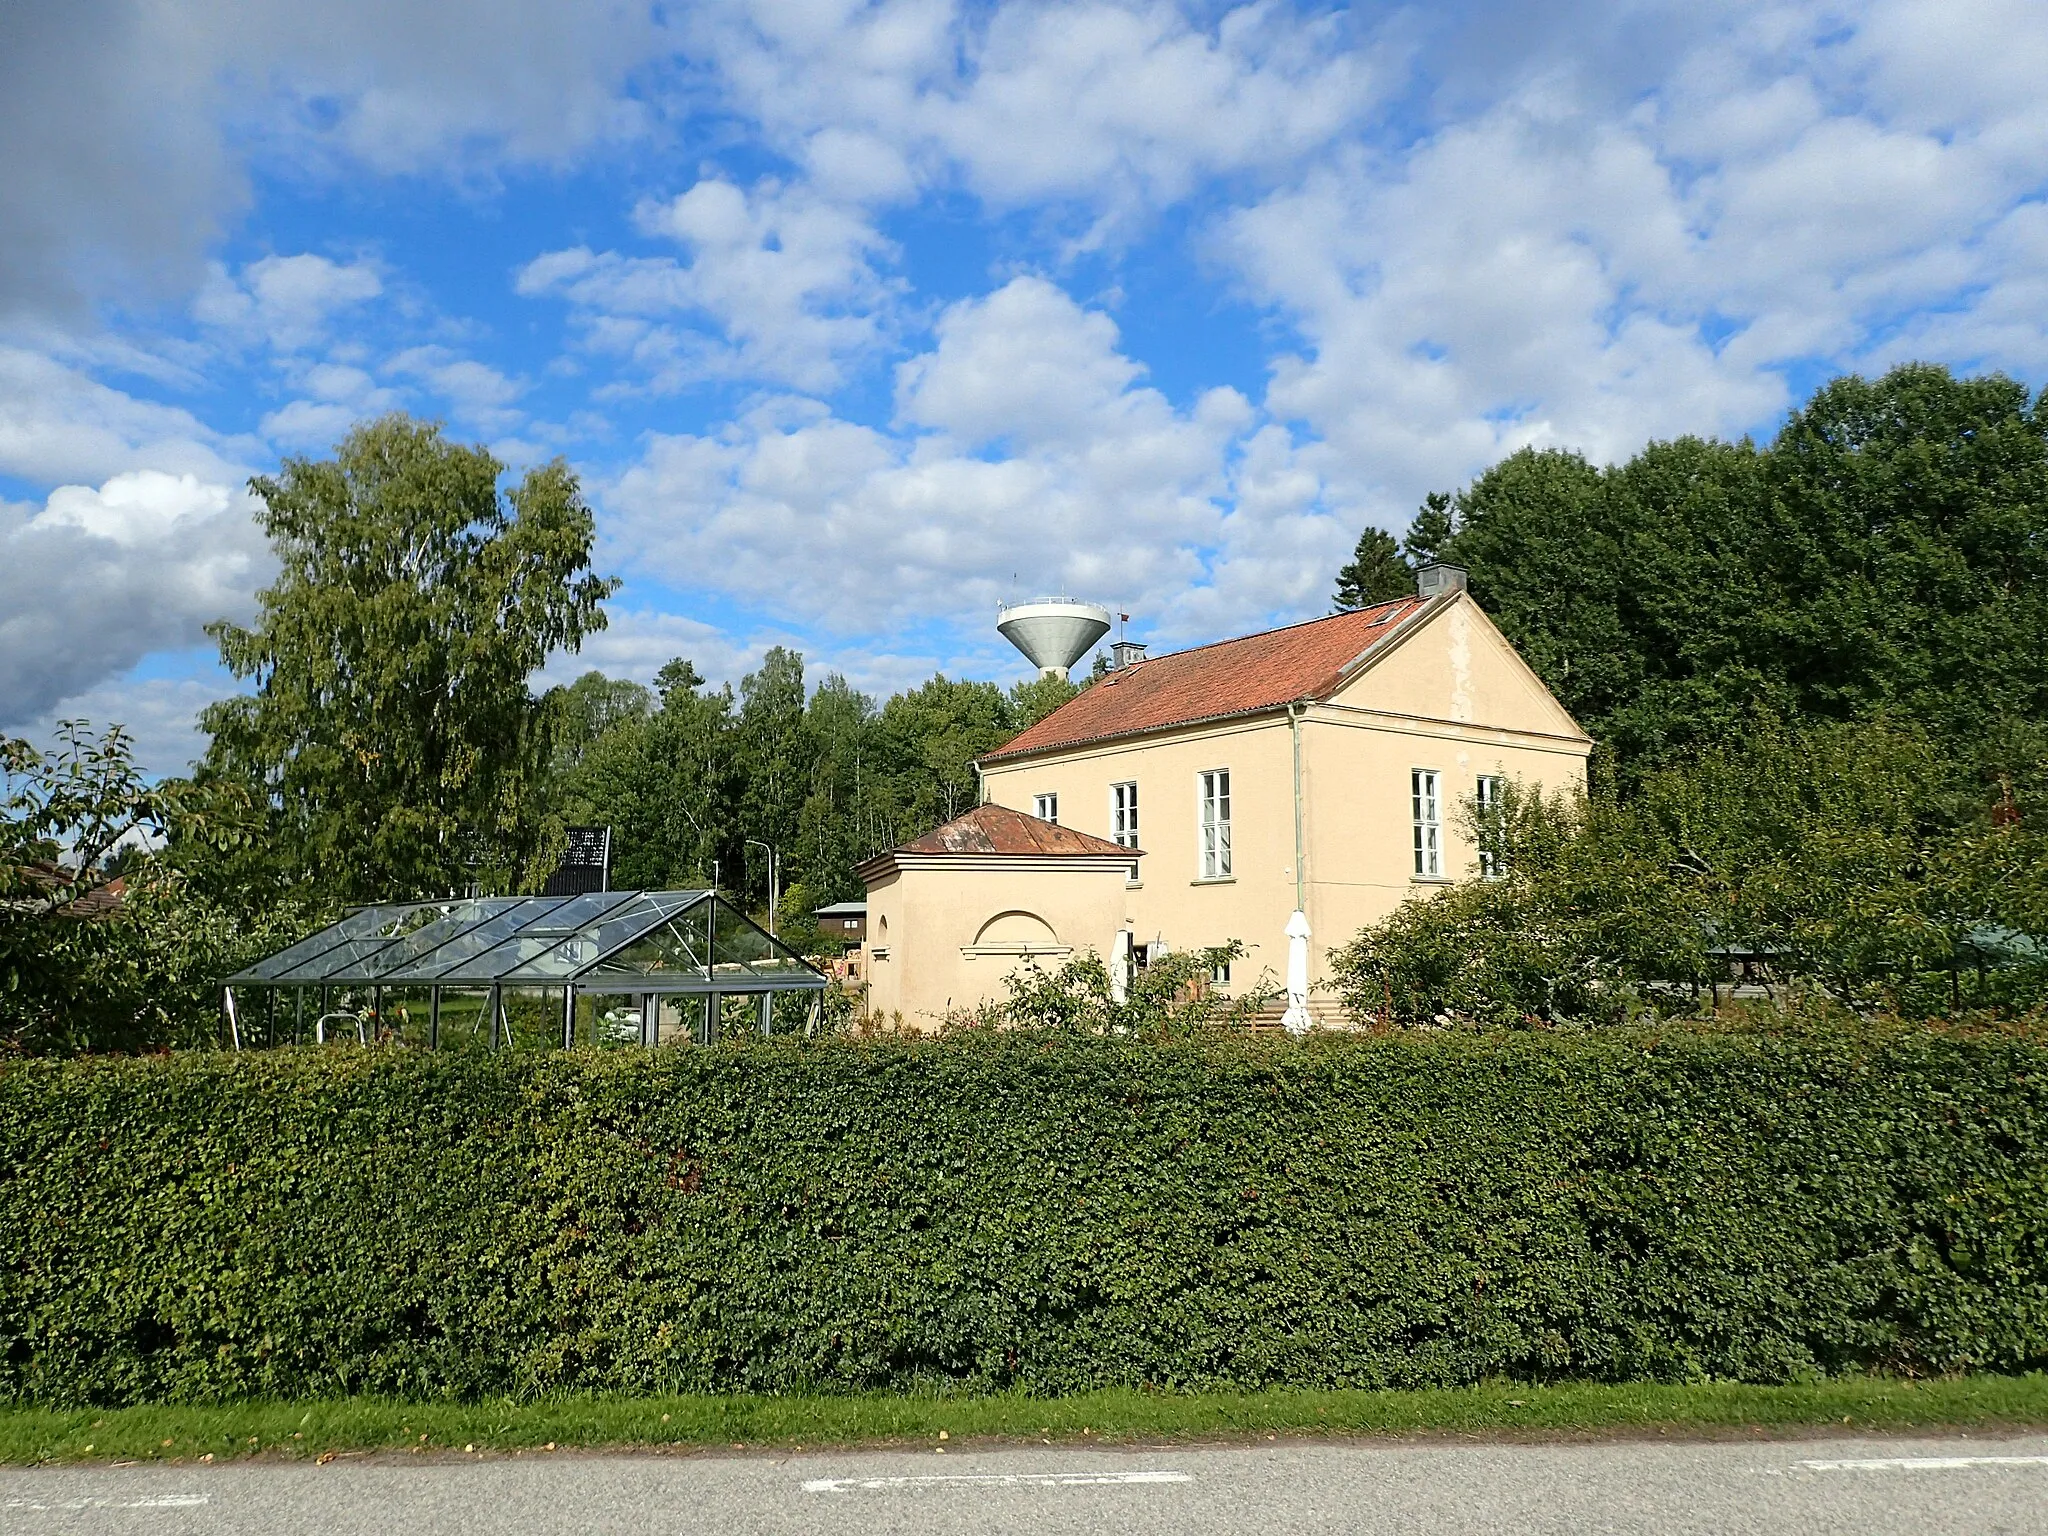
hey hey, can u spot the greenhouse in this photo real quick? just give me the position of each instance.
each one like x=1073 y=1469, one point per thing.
x=607 y=968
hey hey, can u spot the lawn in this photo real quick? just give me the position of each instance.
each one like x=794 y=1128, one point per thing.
x=314 y=1429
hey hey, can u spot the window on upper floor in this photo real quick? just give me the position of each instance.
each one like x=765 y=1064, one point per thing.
x=1486 y=797
x=1123 y=814
x=1426 y=808
x=1046 y=808
x=1213 y=791
x=1123 y=819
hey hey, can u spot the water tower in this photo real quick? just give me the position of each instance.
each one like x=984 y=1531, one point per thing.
x=1054 y=632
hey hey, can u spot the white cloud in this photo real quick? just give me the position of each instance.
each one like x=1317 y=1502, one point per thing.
x=128 y=123
x=1121 y=107
x=57 y=425
x=1552 y=270
x=477 y=394
x=161 y=713
x=861 y=531
x=337 y=396
x=780 y=283
x=638 y=642
x=285 y=302
x=96 y=579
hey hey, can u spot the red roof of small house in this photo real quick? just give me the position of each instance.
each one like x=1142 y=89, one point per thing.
x=1214 y=682
x=50 y=883
x=996 y=829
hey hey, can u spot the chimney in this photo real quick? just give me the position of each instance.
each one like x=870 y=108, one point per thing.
x=1438 y=580
x=1126 y=653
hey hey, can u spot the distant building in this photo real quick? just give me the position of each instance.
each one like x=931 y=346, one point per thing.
x=1322 y=766
x=846 y=921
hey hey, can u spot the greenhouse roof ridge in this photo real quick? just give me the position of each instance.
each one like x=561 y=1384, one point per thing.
x=630 y=940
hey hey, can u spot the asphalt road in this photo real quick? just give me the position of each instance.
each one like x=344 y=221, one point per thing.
x=1867 y=1487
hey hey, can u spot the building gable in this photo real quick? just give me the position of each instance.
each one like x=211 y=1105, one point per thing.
x=1455 y=665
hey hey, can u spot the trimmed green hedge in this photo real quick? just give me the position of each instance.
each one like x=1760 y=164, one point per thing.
x=1015 y=1212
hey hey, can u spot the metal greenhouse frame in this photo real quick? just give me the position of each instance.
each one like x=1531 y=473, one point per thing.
x=523 y=972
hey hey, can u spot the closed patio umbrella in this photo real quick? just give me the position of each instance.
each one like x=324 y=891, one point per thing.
x=1295 y=1021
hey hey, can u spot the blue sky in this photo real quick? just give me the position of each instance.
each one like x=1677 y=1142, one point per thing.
x=858 y=319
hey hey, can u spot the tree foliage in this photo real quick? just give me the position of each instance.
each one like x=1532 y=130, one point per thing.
x=824 y=775
x=1885 y=555
x=392 y=727
x=1170 y=999
x=1376 y=572
x=106 y=942
x=1861 y=862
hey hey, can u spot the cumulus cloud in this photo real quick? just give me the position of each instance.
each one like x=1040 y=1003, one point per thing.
x=97 y=578
x=476 y=394
x=57 y=424
x=1101 y=487
x=1551 y=270
x=285 y=302
x=778 y=284
x=1123 y=107
x=638 y=641
x=128 y=124
x=159 y=711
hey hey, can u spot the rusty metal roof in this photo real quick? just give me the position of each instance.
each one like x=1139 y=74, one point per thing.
x=1216 y=682
x=997 y=830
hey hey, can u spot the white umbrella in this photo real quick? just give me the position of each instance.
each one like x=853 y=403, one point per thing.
x=1295 y=1021
x=1120 y=967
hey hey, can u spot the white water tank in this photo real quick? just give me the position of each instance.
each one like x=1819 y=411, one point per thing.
x=1054 y=632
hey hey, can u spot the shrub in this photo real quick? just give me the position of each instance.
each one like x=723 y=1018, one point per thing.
x=1025 y=1210
x=1859 y=861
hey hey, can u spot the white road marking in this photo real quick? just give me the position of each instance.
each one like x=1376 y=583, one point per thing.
x=148 y=1501
x=1922 y=1463
x=991 y=1480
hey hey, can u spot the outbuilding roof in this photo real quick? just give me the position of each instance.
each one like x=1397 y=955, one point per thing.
x=998 y=830
x=1215 y=682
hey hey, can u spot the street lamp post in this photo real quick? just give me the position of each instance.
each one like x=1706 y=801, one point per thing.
x=772 y=882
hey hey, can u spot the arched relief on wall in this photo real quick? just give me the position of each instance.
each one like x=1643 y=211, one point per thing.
x=1015 y=933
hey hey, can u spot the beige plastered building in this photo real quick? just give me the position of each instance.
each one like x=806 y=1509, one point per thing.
x=1324 y=766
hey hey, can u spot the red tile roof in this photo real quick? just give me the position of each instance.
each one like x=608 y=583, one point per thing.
x=996 y=829
x=1214 y=682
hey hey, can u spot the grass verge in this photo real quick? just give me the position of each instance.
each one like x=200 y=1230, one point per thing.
x=354 y=1425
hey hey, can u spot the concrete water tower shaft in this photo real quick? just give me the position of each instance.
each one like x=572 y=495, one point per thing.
x=1054 y=632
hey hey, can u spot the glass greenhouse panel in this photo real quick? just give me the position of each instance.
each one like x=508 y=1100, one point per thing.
x=534 y=939
x=465 y=1018
x=791 y=1012
x=351 y=958
x=667 y=951
x=681 y=1019
x=530 y=1018
x=344 y=1017
x=608 y=1019
x=414 y=947
x=740 y=1013
x=405 y=1015
x=452 y=955
x=287 y=961
x=590 y=942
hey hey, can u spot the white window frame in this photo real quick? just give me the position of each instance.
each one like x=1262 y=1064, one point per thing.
x=1123 y=819
x=1046 y=807
x=1212 y=830
x=1426 y=817
x=1123 y=813
x=1486 y=796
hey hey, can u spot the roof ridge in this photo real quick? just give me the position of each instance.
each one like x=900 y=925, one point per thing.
x=1281 y=629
